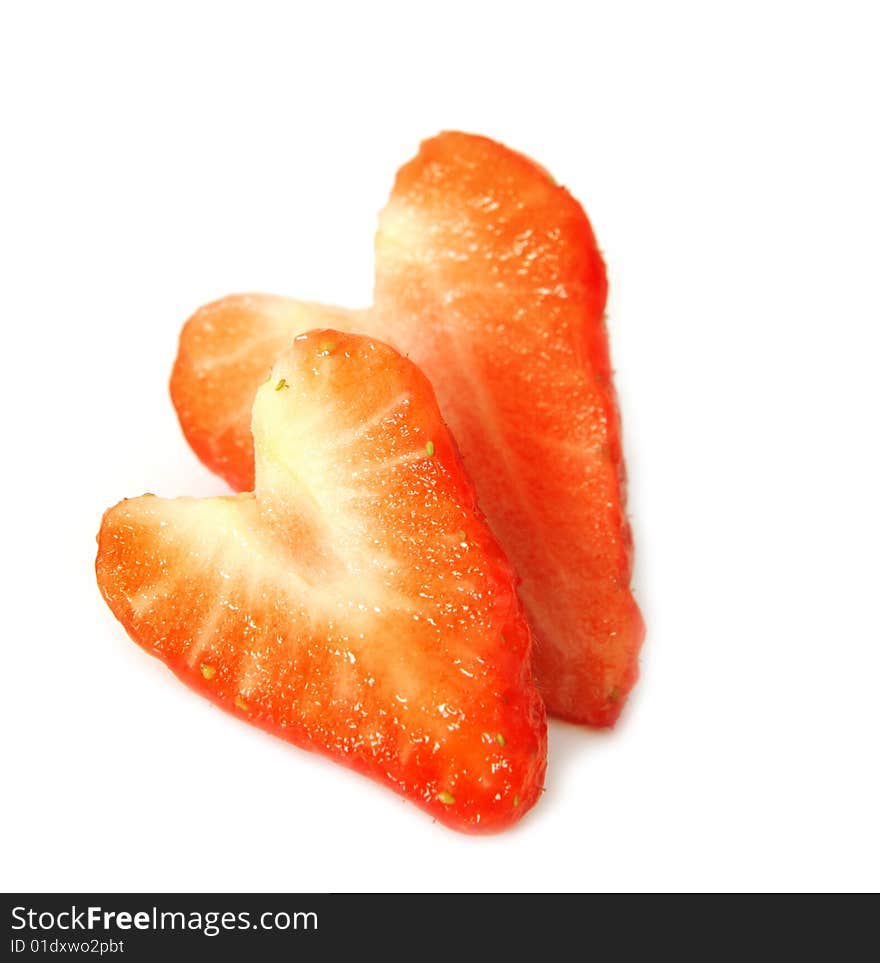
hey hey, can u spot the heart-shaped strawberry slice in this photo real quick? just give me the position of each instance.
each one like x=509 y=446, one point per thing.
x=488 y=276
x=356 y=603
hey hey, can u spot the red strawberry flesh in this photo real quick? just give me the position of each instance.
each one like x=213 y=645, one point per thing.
x=489 y=277
x=357 y=603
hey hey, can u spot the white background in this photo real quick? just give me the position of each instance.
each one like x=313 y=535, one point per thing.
x=157 y=156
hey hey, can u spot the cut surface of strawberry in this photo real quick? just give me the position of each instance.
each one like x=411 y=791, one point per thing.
x=226 y=350
x=488 y=276
x=357 y=603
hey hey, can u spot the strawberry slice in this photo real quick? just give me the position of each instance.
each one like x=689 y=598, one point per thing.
x=489 y=277
x=356 y=603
